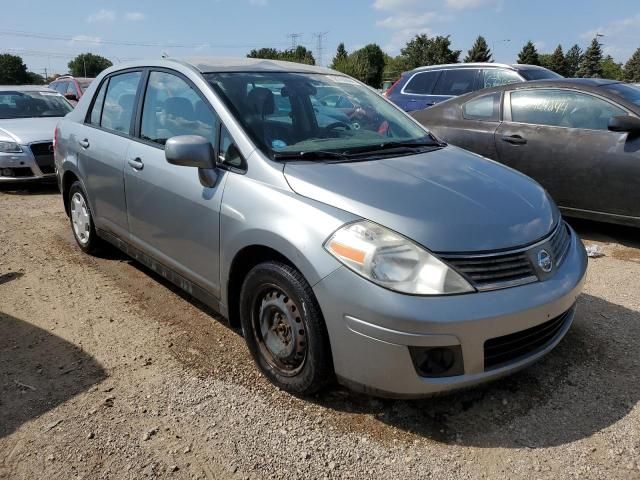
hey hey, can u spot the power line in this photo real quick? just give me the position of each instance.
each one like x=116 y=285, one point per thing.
x=319 y=36
x=294 y=39
x=101 y=41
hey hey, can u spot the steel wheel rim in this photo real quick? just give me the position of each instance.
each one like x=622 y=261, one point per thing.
x=279 y=331
x=80 y=218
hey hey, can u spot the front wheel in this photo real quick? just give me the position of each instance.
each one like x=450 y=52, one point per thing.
x=284 y=329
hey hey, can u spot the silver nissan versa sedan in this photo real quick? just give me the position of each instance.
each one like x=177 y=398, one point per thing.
x=363 y=249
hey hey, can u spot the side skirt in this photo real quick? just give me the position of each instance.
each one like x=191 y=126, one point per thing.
x=178 y=280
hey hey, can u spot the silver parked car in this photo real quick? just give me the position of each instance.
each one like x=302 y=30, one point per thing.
x=363 y=251
x=28 y=116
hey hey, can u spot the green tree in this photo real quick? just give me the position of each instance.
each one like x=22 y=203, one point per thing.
x=35 y=78
x=545 y=60
x=341 y=55
x=632 y=68
x=13 y=71
x=88 y=65
x=591 y=63
x=372 y=57
x=529 y=55
x=422 y=50
x=394 y=66
x=557 y=62
x=479 y=52
x=298 y=54
x=266 y=53
x=611 y=69
x=572 y=61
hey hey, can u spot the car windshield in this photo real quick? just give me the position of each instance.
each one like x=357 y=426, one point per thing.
x=538 y=74
x=288 y=113
x=630 y=93
x=31 y=104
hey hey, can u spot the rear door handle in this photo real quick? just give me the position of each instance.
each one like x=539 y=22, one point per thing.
x=84 y=143
x=514 y=139
x=136 y=163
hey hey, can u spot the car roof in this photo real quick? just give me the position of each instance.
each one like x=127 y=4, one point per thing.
x=517 y=66
x=25 y=88
x=71 y=77
x=220 y=64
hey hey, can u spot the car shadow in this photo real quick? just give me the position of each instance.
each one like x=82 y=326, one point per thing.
x=588 y=383
x=38 y=371
x=590 y=230
x=30 y=188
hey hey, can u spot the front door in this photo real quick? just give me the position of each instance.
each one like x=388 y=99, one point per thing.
x=560 y=138
x=172 y=217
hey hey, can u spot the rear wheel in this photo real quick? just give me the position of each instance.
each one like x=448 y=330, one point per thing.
x=81 y=220
x=284 y=330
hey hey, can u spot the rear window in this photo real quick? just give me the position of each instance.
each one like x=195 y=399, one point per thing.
x=421 y=83
x=485 y=107
x=456 y=82
x=538 y=74
x=630 y=93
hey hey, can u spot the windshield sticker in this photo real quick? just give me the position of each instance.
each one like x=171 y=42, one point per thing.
x=278 y=144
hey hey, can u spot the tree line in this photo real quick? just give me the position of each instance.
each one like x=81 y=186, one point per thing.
x=13 y=71
x=371 y=65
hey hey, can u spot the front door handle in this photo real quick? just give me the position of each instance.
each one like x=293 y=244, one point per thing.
x=136 y=163
x=84 y=143
x=514 y=139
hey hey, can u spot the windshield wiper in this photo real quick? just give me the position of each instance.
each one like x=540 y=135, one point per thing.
x=310 y=155
x=413 y=145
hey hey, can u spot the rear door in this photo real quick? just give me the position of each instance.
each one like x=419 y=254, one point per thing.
x=560 y=138
x=172 y=216
x=102 y=148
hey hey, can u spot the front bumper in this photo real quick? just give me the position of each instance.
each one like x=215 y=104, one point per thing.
x=371 y=328
x=22 y=167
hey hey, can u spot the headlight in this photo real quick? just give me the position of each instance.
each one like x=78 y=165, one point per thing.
x=9 y=147
x=393 y=261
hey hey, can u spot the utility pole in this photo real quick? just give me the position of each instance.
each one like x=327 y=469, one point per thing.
x=46 y=77
x=294 y=39
x=319 y=36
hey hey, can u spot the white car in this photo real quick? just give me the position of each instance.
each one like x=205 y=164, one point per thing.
x=28 y=118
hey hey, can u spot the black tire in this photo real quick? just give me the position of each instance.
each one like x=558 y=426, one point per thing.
x=91 y=243
x=296 y=305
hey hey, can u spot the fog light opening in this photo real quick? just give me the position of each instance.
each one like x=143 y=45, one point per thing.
x=437 y=361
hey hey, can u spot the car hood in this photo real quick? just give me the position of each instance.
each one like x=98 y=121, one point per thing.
x=448 y=200
x=27 y=130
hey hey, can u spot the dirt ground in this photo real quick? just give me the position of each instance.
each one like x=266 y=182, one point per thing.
x=107 y=371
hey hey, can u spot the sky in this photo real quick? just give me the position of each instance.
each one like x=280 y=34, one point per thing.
x=120 y=30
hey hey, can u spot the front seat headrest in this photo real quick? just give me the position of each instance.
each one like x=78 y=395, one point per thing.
x=261 y=102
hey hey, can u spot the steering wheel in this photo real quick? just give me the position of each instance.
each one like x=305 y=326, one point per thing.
x=333 y=125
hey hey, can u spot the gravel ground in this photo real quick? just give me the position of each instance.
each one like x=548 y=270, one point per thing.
x=107 y=371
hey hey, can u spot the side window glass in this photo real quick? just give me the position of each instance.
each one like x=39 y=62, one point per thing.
x=71 y=88
x=229 y=153
x=562 y=108
x=171 y=108
x=456 y=82
x=422 y=83
x=119 y=102
x=485 y=107
x=96 y=110
x=495 y=77
x=61 y=87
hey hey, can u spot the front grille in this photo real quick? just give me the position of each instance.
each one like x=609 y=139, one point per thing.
x=43 y=153
x=515 y=346
x=493 y=270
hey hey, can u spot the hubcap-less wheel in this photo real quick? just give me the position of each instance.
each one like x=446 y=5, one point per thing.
x=280 y=332
x=80 y=218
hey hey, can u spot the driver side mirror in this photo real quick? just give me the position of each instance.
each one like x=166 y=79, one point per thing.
x=71 y=96
x=193 y=151
x=625 y=123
